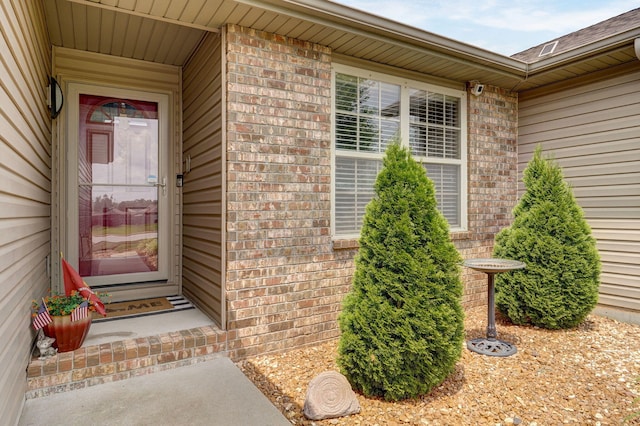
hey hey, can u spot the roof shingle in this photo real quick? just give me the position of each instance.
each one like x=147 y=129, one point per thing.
x=618 y=24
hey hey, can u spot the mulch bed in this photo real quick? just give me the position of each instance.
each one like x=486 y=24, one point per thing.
x=589 y=375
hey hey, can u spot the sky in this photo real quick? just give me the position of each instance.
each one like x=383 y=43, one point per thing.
x=501 y=26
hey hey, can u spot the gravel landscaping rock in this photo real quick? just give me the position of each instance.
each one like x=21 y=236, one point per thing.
x=588 y=375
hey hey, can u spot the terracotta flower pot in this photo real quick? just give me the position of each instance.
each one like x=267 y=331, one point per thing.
x=69 y=335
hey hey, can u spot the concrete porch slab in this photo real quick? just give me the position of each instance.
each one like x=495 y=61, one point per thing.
x=214 y=392
x=143 y=326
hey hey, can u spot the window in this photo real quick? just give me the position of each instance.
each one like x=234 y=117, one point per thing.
x=370 y=110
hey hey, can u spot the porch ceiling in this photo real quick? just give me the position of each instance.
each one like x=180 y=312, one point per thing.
x=168 y=32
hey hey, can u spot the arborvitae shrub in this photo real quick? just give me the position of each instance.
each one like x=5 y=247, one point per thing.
x=559 y=286
x=402 y=323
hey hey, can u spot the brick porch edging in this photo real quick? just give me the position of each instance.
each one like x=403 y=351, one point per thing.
x=109 y=362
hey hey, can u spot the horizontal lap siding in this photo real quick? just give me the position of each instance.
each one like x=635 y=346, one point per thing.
x=593 y=130
x=202 y=268
x=25 y=186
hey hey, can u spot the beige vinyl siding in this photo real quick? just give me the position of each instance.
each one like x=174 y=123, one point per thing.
x=203 y=192
x=25 y=185
x=593 y=130
x=77 y=66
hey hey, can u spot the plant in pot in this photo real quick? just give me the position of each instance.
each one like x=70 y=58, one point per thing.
x=66 y=318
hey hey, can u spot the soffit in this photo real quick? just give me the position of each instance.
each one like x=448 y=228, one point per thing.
x=169 y=31
x=107 y=30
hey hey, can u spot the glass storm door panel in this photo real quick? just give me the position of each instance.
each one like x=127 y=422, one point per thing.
x=120 y=190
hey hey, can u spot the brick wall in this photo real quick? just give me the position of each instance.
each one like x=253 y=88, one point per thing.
x=284 y=281
x=285 y=277
x=493 y=175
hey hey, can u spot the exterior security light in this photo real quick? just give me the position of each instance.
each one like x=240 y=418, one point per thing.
x=476 y=88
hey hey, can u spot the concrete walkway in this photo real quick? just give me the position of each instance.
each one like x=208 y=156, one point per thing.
x=214 y=393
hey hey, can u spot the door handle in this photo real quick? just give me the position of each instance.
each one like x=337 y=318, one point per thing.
x=163 y=185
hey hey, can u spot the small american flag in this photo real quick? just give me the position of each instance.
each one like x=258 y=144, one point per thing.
x=80 y=312
x=43 y=318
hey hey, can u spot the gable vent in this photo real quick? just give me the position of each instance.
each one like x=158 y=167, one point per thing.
x=548 y=48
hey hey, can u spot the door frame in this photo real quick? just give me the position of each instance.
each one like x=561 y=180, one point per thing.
x=67 y=198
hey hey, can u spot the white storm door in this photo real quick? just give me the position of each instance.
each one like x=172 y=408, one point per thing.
x=118 y=206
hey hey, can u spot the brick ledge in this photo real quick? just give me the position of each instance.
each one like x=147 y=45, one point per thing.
x=109 y=362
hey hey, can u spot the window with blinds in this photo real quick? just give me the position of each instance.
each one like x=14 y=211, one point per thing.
x=369 y=112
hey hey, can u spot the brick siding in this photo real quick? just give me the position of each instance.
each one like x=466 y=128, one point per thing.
x=285 y=277
x=493 y=177
x=284 y=281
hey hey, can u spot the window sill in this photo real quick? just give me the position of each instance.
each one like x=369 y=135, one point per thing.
x=352 y=243
x=460 y=235
x=346 y=244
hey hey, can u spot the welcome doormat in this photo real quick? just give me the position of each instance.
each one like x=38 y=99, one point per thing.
x=143 y=307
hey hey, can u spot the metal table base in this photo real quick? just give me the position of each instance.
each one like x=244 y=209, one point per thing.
x=490 y=345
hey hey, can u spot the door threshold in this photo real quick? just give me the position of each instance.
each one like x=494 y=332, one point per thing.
x=137 y=291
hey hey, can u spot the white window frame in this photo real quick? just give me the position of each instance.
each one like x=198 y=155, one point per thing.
x=405 y=86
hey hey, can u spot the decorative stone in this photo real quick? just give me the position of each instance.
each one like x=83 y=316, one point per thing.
x=44 y=344
x=330 y=395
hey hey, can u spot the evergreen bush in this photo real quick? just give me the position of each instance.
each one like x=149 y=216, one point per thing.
x=402 y=323
x=559 y=286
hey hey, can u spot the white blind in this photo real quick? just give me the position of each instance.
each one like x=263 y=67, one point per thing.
x=434 y=124
x=354 y=189
x=367 y=114
x=446 y=178
x=367 y=117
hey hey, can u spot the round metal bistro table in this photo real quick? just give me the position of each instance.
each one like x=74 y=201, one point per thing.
x=490 y=345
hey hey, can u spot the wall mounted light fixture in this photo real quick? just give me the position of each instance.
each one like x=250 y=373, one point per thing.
x=54 y=97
